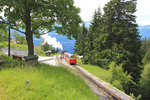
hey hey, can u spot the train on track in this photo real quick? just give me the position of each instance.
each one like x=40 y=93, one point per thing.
x=70 y=58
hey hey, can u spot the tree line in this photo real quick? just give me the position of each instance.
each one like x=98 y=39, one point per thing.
x=113 y=40
x=146 y=50
x=144 y=82
x=45 y=47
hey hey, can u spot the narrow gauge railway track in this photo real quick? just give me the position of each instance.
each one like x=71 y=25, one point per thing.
x=106 y=93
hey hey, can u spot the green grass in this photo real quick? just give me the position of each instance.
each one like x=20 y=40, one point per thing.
x=46 y=83
x=96 y=70
x=1 y=53
x=10 y=63
x=21 y=46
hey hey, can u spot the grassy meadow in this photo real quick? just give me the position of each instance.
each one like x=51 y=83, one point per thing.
x=45 y=83
x=97 y=71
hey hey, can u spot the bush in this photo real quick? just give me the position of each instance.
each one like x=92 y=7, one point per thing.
x=146 y=58
x=10 y=62
x=135 y=97
x=145 y=82
x=119 y=78
x=46 y=47
x=117 y=84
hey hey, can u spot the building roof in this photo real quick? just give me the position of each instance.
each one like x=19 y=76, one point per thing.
x=48 y=51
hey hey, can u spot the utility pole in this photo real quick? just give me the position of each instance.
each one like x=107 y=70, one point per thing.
x=9 y=37
x=9 y=42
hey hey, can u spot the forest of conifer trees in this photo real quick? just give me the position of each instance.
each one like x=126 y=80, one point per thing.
x=113 y=42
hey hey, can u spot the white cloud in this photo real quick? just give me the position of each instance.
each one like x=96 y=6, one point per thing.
x=52 y=41
x=143 y=12
x=89 y=6
x=2 y=14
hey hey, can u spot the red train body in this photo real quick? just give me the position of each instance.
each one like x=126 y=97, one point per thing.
x=70 y=58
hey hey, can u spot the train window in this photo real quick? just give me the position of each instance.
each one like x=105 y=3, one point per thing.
x=73 y=57
x=67 y=56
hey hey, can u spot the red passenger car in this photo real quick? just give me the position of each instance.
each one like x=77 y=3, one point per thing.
x=70 y=58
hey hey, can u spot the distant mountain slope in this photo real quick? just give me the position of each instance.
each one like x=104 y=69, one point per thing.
x=22 y=47
x=144 y=31
x=68 y=45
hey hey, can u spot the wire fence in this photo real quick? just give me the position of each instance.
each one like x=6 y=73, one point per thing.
x=15 y=51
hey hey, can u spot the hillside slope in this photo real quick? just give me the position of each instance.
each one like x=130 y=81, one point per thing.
x=18 y=81
x=22 y=47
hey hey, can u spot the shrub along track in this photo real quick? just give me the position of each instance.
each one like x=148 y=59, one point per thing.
x=104 y=90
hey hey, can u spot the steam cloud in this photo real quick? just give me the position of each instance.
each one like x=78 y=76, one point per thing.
x=52 y=41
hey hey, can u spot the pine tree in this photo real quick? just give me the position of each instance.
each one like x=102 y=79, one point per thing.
x=146 y=50
x=145 y=82
x=80 y=42
x=92 y=46
x=146 y=58
x=123 y=39
x=57 y=50
x=45 y=46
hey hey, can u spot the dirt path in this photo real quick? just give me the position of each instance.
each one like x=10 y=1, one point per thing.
x=48 y=60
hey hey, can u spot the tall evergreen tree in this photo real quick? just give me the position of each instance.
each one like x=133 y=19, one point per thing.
x=94 y=31
x=45 y=46
x=146 y=50
x=113 y=36
x=80 y=42
x=123 y=39
x=145 y=44
x=145 y=83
